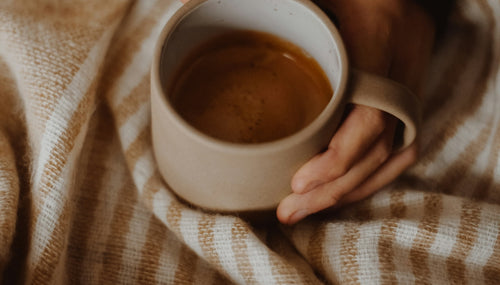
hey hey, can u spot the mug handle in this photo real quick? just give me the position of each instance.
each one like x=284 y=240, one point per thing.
x=389 y=96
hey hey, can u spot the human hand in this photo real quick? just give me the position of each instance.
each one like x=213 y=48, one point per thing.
x=392 y=38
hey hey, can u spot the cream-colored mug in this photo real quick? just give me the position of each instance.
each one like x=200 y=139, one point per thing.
x=230 y=177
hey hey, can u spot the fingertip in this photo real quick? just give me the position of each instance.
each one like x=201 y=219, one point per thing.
x=289 y=212
x=283 y=214
x=290 y=218
x=297 y=216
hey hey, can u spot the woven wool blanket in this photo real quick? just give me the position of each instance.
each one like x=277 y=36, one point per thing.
x=82 y=201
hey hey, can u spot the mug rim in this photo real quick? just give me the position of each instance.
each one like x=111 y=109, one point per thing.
x=288 y=141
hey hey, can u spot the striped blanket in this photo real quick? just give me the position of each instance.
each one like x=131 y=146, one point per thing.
x=82 y=201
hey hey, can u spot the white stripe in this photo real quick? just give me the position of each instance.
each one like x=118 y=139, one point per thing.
x=134 y=125
x=139 y=11
x=189 y=229
x=140 y=64
x=223 y=247
x=135 y=239
x=406 y=232
x=367 y=248
x=381 y=204
x=444 y=240
x=258 y=256
x=161 y=202
x=333 y=246
x=483 y=247
x=143 y=170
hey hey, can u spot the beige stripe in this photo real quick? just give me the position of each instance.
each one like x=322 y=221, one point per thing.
x=364 y=210
x=52 y=74
x=491 y=270
x=467 y=234
x=132 y=103
x=316 y=250
x=449 y=129
x=388 y=236
x=115 y=243
x=151 y=251
x=219 y=279
x=284 y=273
x=398 y=207
x=206 y=240
x=239 y=235
x=287 y=265
x=150 y=188
x=349 y=253
x=86 y=205
x=186 y=266
x=427 y=230
x=174 y=213
x=138 y=147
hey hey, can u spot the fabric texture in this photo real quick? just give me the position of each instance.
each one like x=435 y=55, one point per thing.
x=82 y=201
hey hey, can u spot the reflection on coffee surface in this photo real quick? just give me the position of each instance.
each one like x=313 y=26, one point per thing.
x=249 y=87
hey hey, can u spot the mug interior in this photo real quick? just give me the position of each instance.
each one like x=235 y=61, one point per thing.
x=299 y=22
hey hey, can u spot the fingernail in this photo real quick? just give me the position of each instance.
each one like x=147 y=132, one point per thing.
x=297 y=216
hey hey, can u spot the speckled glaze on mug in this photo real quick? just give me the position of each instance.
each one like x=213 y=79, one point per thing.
x=228 y=177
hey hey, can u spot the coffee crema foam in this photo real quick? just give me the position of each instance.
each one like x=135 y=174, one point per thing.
x=249 y=87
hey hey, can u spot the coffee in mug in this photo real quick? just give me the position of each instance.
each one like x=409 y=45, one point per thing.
x=249 y=87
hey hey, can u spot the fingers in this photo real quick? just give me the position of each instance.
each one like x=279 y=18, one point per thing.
x=296 y=206
x=385 y=174
x=356 y=134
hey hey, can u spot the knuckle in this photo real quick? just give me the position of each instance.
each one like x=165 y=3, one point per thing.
x=335 y=195
x=338 y=167
x=373 y=118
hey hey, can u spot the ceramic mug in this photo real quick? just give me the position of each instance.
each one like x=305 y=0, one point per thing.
x=229 y=177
